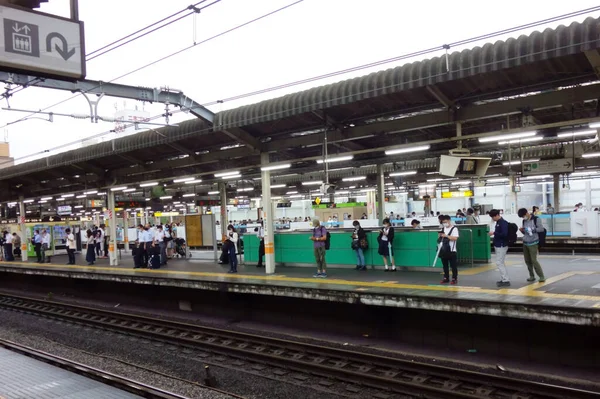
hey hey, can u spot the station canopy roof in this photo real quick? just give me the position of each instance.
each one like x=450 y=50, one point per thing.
x=547 y=78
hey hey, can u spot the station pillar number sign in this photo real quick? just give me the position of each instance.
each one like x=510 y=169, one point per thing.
x=41 y=43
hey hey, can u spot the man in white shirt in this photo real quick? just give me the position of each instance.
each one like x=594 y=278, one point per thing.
x=45 y=246
x=71 y=246
x=8 y=246
x=449 y=236
x=159 y=239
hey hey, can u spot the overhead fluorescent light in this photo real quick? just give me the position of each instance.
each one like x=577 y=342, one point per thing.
x=389 y=184
x=312 y=183
x=519 y=162
x=129 y=190
x=591 y=155
x=296 y=196
x=78 y=206
x=166 y=197
x=230 y=177
x=497 y=180
x=118 y=188
x=461 y=182
x=594 y=125
x=276 y=198
x=67 y=195
x=245 y=189
x=279 y=185
x=342 y=192
x=407 y=149
x=315 y=194
x=60 y=199
x=194 y=181
x=537 y=177
x=356 y=178
x=28 y=201
x=276 y=167
x=213 y=192
x=149 y=184
x=404 y=173
x=292 y=192
x=42 y=202
x=227 y=173
x=189 y=195
x=183 y=179
x=510 y=136
x=585 y=173
x=526 y=140
x=46 y=199
x=81 y=196
x=91 y=192
x=336 y=159
x=588 y=132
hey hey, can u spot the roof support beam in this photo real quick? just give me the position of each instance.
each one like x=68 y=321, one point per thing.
x=593 y=57
x=332 y=123
x=243 y=137
x=440 y=96
x=162 y=95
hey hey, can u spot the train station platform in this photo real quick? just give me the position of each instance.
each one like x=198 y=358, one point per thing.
x=24 y=377
x=570 y=295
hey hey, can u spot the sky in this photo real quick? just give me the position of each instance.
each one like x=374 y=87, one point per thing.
x=308 y=39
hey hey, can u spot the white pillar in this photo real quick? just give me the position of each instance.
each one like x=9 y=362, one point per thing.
x=513 y=195
x=24 y=239
x=380 y=193
x=112 y=218
x=371 y=208
x=544 y=197
x=268 y=217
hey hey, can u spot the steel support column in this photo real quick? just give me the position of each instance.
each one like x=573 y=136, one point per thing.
x=380 y=194
x=224 y=218
x=75 y=10
x=112 y=220
x=268 y=216
x=556 y=186
x=24 y=239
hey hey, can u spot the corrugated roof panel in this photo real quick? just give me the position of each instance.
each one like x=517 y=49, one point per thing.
x=564 y=40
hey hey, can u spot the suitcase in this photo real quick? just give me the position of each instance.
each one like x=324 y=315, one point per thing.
x=154 y=261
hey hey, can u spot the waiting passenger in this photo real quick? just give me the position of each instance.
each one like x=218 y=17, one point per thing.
x=90 y=256
x=532 y=227
x=8 y=246
x=500 y=235
x=45 y=246
x=71 y=246
x=17 y=245
x=416 y=224
x=449 y=236
x=386 y=242
x=359 y=244
x=471 y=218
x=232 y=238
x=260 y=233
x=319 y=237
x=37 y=244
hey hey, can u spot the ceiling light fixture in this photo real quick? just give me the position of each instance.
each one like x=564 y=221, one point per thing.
x=407 y=150
x=183 y=179
x=149 y=184
x=276 y=167
x=519 y=141
x=336 y=159
x=356 y=178
x=227 y=174
x=404 y=173
x=118 y=188
x=195 y=181
x=588 y=132
x=591 y=155
x=312 y=183
x=509 y=136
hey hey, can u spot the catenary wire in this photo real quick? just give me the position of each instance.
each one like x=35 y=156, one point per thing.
x=161 y=59
x=90 y=56
x=466 y=41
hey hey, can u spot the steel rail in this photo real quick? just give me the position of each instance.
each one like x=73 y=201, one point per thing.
x=391 y=374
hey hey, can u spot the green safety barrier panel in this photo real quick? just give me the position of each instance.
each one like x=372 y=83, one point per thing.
x=412 y=248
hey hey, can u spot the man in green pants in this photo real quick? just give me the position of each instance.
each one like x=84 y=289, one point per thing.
x=532 y=227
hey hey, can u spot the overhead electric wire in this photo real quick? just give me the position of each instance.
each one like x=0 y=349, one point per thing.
x=466 y=41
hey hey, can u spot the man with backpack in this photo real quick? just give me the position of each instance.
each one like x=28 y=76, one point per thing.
x=502 y=240
x=449 y=237
x=533 y=234
x=319 y=239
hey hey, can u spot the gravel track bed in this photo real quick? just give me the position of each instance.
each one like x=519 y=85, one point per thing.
x=87 y=345
x=579 y=379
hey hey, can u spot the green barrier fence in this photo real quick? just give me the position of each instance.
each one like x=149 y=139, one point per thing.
x=412 y=248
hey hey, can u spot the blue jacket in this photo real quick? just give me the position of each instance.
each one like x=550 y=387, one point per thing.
x=501 y=233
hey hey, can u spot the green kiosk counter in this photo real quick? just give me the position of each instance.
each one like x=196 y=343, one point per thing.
x=412 y=248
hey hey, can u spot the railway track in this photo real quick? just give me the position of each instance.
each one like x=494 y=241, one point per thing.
x=104 y=377
x=387 y=375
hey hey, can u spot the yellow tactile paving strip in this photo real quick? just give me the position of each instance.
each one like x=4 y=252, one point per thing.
x=527 y=291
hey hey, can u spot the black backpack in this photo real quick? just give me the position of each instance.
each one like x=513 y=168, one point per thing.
x=446 y=249
x=542 y=235
x=512 y=233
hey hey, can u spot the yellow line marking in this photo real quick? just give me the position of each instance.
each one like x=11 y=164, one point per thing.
x=477 y=270
x=563 y=276
x=526 y=291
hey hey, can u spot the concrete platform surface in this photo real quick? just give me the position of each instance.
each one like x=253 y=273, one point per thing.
x=22 y=377
x=571 y=293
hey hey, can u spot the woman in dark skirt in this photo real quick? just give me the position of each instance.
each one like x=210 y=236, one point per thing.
x=90 y=255
x=386 y=243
